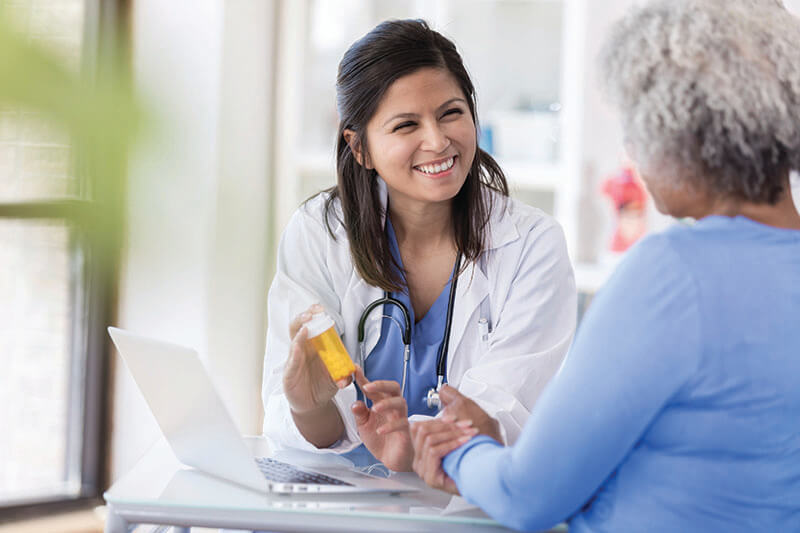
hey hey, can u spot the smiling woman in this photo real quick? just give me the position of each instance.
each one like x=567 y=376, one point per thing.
x=422 y=137
x=417 y=207
x=404 y=97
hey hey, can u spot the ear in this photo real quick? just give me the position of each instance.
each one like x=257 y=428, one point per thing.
x=352 y=139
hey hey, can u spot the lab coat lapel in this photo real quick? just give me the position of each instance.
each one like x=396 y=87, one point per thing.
x=473 y=284
x=473 y=288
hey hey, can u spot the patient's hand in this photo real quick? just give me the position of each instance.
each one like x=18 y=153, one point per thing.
x=432 y=440
x=459 y=407
x=384 y=428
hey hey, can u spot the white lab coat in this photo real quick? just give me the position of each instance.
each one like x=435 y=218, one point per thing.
x=523 y=285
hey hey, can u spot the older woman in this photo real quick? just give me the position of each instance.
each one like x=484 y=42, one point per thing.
x=678 y=408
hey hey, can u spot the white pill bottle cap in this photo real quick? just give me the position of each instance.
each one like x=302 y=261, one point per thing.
x=319 y=324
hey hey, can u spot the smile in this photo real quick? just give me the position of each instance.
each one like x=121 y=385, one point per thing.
x=433 y=169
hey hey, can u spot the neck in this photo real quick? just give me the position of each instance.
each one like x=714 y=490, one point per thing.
x=422 y=226
x=782 y=214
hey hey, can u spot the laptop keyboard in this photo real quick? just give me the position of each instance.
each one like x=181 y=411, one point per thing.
x=279 y=472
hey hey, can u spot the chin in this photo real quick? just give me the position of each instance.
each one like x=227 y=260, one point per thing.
x=442 y=192
x=440 y=198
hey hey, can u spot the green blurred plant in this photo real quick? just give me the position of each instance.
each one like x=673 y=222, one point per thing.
x=97 y=110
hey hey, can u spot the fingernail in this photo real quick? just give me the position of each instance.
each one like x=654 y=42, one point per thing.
x=464 y=439
x=464 y=423
x=316 y=308
x=471 y=431
x=305 y=316
x=448 y=418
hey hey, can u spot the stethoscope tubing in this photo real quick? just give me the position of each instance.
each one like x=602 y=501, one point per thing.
x=432 y=398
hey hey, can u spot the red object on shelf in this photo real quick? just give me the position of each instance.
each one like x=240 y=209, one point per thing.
x=630 y=204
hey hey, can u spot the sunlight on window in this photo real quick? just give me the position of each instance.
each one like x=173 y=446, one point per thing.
x=35 y=157
x=39 y=448
x=35 y=336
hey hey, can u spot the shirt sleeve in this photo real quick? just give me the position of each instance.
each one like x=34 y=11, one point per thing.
x=302 y=279
x=637 y=347
x=532 y=332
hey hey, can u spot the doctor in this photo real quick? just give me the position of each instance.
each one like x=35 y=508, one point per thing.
x=422 y=215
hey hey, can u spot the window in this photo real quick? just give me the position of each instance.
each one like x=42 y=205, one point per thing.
x=53 y=282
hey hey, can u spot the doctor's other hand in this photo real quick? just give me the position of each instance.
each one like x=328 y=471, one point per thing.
x=432 y=440
x=459 y=407
x=384 y=428
x=306 y=382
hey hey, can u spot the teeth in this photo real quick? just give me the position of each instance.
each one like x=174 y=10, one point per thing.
x=435 y=169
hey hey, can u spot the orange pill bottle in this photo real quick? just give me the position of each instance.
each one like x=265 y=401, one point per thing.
x=324 y=339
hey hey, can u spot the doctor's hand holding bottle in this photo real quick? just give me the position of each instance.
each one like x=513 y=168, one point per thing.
x=309 y=387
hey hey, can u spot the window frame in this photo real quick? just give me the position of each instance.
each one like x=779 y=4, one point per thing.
x=94 y=261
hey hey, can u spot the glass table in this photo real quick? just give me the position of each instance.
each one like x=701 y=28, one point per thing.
x=159 y=490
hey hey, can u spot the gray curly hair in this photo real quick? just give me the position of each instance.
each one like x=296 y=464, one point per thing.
x=712 y=87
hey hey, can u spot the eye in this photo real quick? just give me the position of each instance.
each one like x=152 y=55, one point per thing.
x=403 y=125
x=455 y=111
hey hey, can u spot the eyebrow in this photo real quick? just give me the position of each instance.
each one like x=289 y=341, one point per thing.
x=415 y=115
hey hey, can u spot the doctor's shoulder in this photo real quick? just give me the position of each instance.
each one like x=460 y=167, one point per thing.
x=320 y=219
x=307 y=244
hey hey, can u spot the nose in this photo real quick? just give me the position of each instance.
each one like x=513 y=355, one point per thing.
x=435 y=139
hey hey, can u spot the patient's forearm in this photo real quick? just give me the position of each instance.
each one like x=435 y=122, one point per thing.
x=321 y=427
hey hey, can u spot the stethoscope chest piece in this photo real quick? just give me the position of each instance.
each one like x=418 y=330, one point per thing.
x=432 y=400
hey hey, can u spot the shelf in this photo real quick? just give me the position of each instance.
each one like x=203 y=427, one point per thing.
x=529 y=175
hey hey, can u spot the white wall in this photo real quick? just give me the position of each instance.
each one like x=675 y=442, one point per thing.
x=601 y=134
x=194 y=270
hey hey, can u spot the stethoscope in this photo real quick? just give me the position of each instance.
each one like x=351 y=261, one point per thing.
x=431 y=399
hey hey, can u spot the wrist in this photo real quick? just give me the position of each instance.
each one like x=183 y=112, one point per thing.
x=492 y=429
x=322 y=426
x=313 y=411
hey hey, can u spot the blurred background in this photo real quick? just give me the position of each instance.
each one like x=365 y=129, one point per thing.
x=171 y=231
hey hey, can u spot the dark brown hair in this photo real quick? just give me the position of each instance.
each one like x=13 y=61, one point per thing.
x=394 y=49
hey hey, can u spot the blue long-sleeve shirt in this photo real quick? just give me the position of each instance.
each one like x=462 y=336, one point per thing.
x=678 y=407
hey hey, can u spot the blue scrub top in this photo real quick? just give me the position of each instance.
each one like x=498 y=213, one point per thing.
x=385 y=361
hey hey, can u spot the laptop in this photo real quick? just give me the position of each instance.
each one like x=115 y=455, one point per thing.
x=202 y=434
